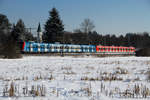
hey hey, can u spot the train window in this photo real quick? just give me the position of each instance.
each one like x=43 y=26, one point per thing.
x=69 y=47
x=61 y=47
x=48 y=46
x=42 y=46
x=33 y=46
x=76 y=48
x=66 y=47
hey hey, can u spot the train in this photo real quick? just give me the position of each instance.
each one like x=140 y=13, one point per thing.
x=33 y=47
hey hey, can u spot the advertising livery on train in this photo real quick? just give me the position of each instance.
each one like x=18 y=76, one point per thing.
x=32 y=47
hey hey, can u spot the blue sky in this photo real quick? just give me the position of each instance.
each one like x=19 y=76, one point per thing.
x=109 y=16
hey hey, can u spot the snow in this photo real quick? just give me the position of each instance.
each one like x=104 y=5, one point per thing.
x=74 y=78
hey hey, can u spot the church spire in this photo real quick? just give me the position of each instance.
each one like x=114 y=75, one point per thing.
x=39 y=34
x=39 y=28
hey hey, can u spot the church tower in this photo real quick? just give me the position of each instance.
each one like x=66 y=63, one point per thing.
x=39 y=34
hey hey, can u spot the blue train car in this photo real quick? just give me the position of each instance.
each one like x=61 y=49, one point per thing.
x=88 y=48
x=32 y=47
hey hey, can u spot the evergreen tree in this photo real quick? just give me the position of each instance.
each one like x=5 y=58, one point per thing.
x=4 y=31
x=14 y=33
x=8 y=47
x=54 y=29
x=19 y=32
x=29 y=37
x=5 y=27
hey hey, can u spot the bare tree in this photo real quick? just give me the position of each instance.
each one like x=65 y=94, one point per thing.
x=87 y=25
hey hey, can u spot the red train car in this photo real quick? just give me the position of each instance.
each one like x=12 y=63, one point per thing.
x=115 y=50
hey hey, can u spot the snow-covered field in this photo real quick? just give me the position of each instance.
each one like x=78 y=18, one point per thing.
x=70 y=78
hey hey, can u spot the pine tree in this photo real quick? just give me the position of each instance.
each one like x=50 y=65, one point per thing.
x=8 y=47
x=14 y=33
x=5 y=27
x=54 y=29
x=19 y=32
x=4 y=31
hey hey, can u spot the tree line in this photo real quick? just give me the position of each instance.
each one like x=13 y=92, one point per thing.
x=54 y=32
x=12 y=34
x=138 y=40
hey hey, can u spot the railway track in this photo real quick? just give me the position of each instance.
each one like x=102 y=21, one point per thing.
x=77 y=54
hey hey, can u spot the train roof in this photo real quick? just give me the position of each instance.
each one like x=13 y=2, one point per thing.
x=100 y=46
x=57 y=44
